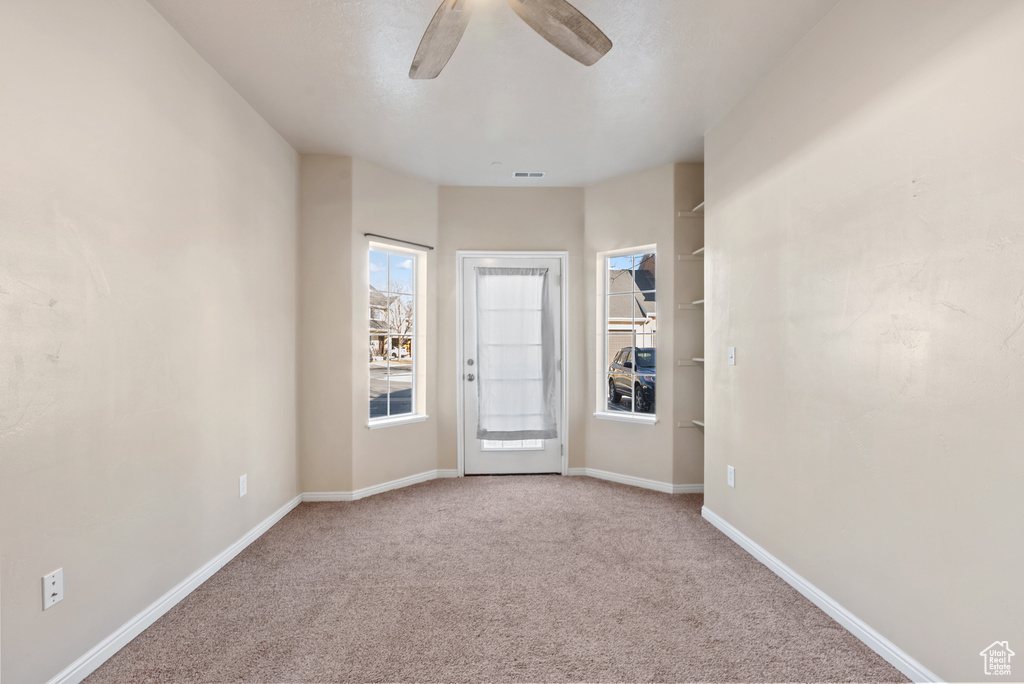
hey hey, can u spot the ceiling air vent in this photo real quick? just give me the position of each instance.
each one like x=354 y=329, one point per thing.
x=528 y=174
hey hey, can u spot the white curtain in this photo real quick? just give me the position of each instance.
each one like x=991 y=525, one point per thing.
x=516 y=355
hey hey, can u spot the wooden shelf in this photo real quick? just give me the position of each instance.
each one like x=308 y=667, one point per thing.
x=699 y=209
x=699 y=423
x=699 y=302
x=698 y=359
x=698 y=252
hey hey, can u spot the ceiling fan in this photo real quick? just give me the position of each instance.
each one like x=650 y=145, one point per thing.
x=556 y=21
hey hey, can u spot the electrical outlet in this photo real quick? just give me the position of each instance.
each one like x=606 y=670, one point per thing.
x=243 y=486
x=732 y=476
x=53 y=588
x=732 y=356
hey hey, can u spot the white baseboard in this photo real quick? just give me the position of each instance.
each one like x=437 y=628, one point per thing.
x=377 y=489
x=666 y=487
x=317 y=497
x=97 y=655
x=860 y=629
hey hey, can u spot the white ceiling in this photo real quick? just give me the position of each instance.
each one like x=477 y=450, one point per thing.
x=332 y=77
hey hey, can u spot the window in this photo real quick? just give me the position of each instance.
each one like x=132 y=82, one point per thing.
x=392 y=333
x=630 y=332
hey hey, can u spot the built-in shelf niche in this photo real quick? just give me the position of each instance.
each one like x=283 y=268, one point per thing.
x=691 y=253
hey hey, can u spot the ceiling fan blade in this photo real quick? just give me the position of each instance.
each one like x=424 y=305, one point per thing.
x=565 y=27
x=441 y=38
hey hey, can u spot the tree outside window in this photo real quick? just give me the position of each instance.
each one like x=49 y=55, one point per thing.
x=392 y=325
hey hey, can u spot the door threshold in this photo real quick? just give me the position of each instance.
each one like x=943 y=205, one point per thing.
x=509 y=474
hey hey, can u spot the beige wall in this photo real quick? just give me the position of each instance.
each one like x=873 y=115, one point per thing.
x=326 y=310
x=866 y=258
x=389 y=203
x=533 y=219
x=628 y=212
x=147 y=319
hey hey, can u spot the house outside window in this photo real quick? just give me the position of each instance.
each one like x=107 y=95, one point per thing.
x=630 y=333
x=392 y=328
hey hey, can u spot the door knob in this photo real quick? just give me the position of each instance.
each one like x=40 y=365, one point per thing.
x=471 y=377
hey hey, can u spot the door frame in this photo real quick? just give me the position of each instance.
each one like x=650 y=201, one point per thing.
x=460 y=258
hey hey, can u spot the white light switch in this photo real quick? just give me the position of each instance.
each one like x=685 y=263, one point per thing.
x=243 y=486
x=53 y=588
x=732 y=356
x=732 y=476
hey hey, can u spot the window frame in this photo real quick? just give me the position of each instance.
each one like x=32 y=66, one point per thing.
x=604 y=321
x=413 y=415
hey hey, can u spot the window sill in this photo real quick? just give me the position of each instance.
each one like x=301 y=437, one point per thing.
x=627 y=417
x=400 y=420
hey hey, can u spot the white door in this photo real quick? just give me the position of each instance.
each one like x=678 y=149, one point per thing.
x=510 y=372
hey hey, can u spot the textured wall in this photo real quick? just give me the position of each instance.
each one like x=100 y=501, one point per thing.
x=147 y=320
x=865 y=241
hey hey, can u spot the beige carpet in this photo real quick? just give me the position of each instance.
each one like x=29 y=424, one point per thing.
x=526 y=579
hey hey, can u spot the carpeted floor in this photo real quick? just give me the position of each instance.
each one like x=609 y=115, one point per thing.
x=497 y=579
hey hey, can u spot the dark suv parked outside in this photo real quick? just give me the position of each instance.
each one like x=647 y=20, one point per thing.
x=631 y=373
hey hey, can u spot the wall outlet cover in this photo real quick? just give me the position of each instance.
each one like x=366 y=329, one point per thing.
x=732 y=476
x=243 y=486
x=53 y=588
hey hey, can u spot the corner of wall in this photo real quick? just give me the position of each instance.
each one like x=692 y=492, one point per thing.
x=325 y=315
